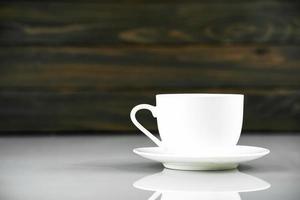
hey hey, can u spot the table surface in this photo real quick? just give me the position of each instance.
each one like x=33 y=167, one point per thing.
x=104 y=167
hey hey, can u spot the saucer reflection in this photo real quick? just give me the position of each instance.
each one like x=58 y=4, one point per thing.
x=192 y=185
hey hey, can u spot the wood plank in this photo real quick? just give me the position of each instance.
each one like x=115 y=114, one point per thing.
x=151 y=2
x=49 y=88
x=145 y=68
x=45 y=110
x=94 y=23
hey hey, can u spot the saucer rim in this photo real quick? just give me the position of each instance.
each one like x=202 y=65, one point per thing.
x=264 y=152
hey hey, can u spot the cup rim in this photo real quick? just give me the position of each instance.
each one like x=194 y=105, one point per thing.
x=202 y=95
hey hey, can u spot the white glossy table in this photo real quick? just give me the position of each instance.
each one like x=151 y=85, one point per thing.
x=104 y=167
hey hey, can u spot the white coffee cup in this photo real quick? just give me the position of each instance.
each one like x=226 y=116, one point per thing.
x=190 y=123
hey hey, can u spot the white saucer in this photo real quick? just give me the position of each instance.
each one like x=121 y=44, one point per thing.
x=203 y=161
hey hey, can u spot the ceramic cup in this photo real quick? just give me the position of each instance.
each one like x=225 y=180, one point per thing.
x=190 y=123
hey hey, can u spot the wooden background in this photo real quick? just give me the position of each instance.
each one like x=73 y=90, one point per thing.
x=82 y=65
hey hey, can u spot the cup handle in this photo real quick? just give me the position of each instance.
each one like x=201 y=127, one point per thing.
x=139 y=126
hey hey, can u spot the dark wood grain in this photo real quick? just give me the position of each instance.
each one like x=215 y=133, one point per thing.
x=146 y=2
x=51 y=88
x=56 y=111
x=95 y=23
x=82 y=65
x=139 y=68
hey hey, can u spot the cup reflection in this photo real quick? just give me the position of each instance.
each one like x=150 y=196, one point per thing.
x=192 y=185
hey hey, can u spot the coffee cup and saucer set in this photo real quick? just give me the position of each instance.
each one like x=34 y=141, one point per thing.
x=197 y=131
